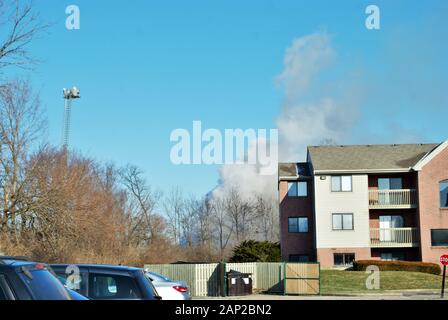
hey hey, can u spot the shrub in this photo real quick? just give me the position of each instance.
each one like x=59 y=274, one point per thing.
x=256 y=251
x=411 y=266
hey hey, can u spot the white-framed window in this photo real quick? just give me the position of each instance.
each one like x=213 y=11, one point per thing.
x=298 y=225
x=342 y=221
x=443 y=187
x=343 y=259
x=298 y=189
x=341 y=183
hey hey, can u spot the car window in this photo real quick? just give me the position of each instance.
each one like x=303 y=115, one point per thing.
x=44 y=285
x=148 y=285
x=113 y=287
x=154 y=276
x=3 y=295
x=76 y=283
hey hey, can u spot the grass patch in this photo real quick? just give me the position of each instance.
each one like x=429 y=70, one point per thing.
x=345 y=282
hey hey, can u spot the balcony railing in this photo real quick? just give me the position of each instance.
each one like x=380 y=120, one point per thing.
x=394 y=237
x=393 y=199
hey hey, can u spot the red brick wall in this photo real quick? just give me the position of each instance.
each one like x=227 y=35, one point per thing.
x=431 y=216
x=296 y=243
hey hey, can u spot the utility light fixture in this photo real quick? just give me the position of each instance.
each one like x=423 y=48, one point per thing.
x=72 y=93
x=69 y=94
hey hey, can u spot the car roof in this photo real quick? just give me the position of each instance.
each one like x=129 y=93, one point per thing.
x=7 y=261
x=15 y=263
x=99 y=266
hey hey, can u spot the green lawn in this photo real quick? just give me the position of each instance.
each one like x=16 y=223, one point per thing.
x=345 y=282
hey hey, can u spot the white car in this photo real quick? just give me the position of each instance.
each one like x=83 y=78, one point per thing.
x=167 y=288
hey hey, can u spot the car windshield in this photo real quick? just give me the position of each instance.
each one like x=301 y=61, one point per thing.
x=154 y=276
x=44 y=285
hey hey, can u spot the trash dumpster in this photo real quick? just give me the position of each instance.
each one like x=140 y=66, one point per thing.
x=238 y=283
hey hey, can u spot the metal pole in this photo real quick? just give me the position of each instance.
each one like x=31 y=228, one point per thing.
x=443 y=281
x=66 y=131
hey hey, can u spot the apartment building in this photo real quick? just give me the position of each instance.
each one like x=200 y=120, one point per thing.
x=354 y=202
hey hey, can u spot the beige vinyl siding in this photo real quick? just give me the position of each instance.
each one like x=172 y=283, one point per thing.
x=355 y=202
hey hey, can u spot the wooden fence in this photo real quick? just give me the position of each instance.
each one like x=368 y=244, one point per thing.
x=208 y=279
x=302 y=278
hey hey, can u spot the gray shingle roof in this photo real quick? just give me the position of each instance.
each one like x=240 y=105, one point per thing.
x=287 y=169
x=293 y=169
x=368 y=157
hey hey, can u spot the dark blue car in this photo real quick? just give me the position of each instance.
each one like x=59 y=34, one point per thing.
x=106 y=282
x=25 y=280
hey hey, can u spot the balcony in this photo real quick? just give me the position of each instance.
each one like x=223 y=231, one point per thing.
x=393 y=199
x=394 y=237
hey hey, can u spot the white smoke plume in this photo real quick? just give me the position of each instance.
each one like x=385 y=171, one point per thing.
x=303 y=120
x=247 y=178
x=325 y=117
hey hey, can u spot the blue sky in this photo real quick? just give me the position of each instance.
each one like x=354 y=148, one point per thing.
x=147 y=67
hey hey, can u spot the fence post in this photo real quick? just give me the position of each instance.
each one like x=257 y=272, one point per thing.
x=284 y=278
x=222 y=279
x=320 y=283
x=225 y=279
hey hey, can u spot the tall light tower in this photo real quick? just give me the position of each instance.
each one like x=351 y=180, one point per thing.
x=69 y=95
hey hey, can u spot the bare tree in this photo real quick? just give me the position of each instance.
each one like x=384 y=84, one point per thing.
x=21 y=123
x=267 y=217
x=19 y=25
x=240 y=211
x=204 y=227
x=70 y=215
x=174 y=206
x=188 y=221
x=224 y=226
x=140 y=217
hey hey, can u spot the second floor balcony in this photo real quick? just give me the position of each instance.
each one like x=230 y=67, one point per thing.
x=393 y=199
x=394 y=237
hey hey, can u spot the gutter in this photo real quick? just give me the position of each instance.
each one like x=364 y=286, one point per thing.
x=317 y=172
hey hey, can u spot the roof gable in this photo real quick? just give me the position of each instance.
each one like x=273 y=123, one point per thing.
x=425 y=160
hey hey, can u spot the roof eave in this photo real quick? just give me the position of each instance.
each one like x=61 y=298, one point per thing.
x=293 y=178
x=366 y=171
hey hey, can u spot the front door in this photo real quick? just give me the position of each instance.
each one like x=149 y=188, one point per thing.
x=387 y=223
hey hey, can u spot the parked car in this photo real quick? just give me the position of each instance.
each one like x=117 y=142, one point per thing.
x=107 y=282
x=25 y=280
x=75 y=295
x=167 y=288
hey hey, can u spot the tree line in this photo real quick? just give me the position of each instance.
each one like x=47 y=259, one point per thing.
x=57 y=205
x=60 y=206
